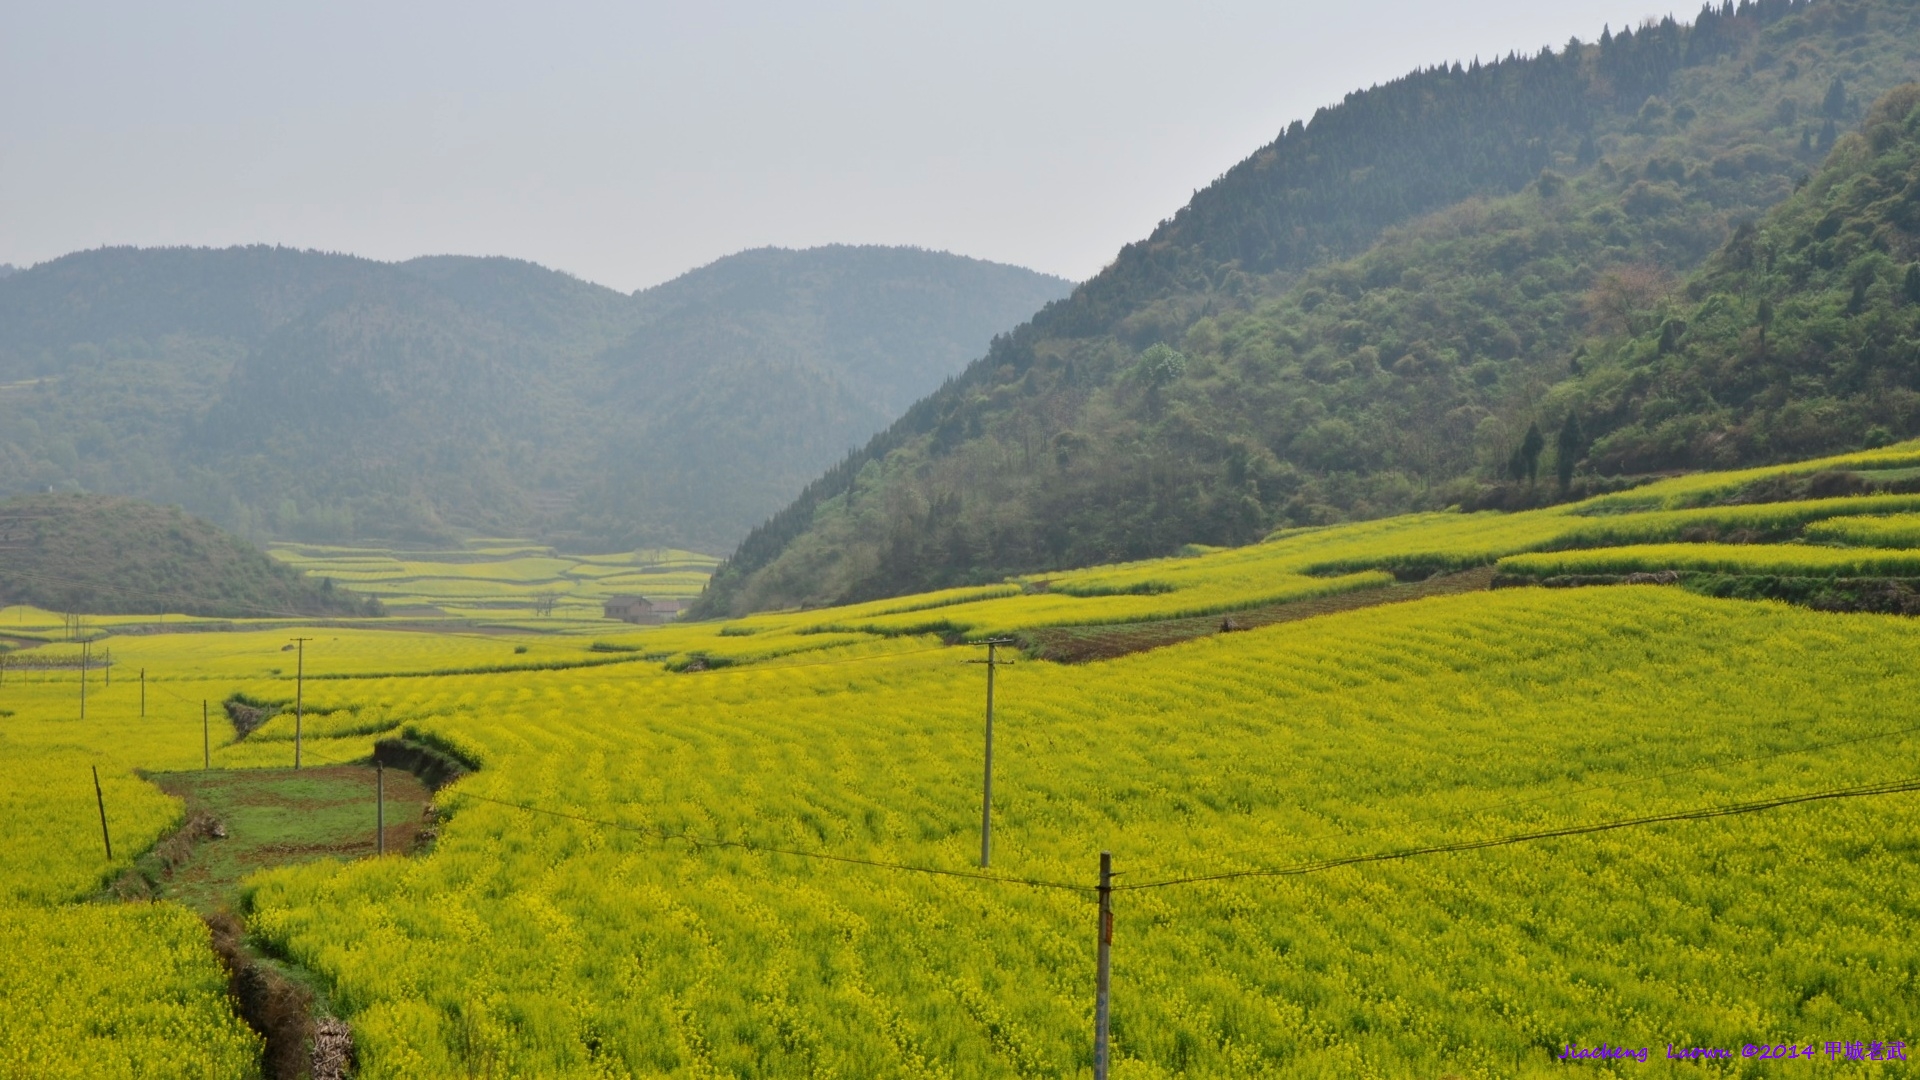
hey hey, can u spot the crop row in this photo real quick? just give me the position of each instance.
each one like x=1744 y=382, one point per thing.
x=1771 y=559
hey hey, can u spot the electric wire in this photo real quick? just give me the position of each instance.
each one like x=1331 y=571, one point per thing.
x=1893 y=787
x=748 y=845
x=1314 y=866
x=1506 y=804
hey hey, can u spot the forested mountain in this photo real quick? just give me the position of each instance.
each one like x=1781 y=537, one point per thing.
x=301 y=394
x=93 y=554
x=1801 y=335
x=1365 y=316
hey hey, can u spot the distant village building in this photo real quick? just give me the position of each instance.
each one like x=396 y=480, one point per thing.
x=639 y=609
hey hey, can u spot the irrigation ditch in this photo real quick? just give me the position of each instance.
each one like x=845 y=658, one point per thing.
x=241 y=821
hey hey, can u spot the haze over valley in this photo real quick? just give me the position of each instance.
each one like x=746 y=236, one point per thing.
x=318 y=397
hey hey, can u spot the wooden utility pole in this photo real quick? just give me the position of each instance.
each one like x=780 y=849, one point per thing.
x=986 y=785
x=1104 y=981
x=101 y=799
x=299 y=694
x=379 y=808
x=206 y=739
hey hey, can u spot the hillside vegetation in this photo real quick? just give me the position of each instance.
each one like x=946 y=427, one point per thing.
x=301 y=395
x=1801 y=336
x=101 y=555
x=1364 y=317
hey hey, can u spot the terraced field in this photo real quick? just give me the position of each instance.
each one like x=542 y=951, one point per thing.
x=749 y=848
x=502 y=579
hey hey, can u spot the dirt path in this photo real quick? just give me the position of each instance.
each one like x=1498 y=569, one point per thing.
x=1083 y=644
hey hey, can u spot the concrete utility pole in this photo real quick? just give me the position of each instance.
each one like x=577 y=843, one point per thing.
x=986 y=786
x=1104 y=981
x=299 y=693
x=85 y=650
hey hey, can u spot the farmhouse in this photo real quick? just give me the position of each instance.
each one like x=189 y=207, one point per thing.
x=639 y=609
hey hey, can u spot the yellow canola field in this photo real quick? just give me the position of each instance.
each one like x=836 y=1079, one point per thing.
x=1891 y=531
x=1809 y=514
x=95 y=990
x=1696 y=488
x=1783 y=559
x=534 y=944
x=491 y=578
x=129 y=990
x=986 y=618
x=538 y=945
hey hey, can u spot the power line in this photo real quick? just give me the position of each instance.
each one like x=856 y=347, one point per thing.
x=1698 y=814
x=1888 y=788
x=748 y=845
x=1631 y=781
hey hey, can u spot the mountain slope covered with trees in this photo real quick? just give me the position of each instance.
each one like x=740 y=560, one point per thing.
x=326 y=397
x=1369 y=315
x=1802 y=334
x=93 y=554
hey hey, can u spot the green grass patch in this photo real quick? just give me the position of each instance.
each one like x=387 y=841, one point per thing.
x=275 y=817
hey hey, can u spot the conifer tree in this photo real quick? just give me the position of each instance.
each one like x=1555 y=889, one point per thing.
x=1835 y=105
x=1566 y=451
x=1530 y=448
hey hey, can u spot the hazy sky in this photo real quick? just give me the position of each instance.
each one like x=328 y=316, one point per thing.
x=626 y=143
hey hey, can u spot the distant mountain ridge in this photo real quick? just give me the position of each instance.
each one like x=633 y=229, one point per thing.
x=1364 y=317
x=323 y=396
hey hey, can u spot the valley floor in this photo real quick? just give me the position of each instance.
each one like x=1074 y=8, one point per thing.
x=751 y=848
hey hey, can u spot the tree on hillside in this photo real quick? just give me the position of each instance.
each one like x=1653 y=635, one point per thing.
x=1524 y=464
x=1620 y=297
x=1835 y=105
x=1566 y=451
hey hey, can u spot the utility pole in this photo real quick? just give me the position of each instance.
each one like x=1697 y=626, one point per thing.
x=379 y=808
x=143 y=693
x=299 y=693
x=101 y=799
x=986 y=785
x=206 y=739
x=85 y=648
x=1104 y=981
